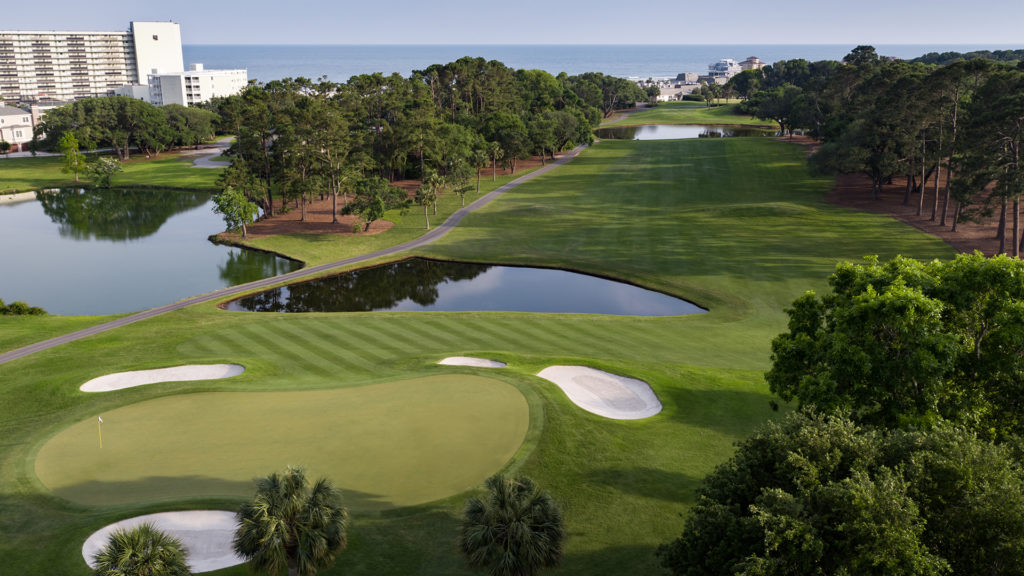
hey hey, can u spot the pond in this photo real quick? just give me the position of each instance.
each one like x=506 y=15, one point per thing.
x=672 y=132
x=105 y=252
x=420 y=284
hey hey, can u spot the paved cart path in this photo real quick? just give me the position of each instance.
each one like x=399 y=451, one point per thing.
x=423 y=240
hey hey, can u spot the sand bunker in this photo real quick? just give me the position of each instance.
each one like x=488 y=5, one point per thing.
x=604 y=394
x=206 y=534
x=471 y=361
x=175 y=374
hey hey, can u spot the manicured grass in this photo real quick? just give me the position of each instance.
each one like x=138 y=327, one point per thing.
x=392 y=444
x=736 y=225
x=409 y=224
x=690 y=113
x=169 y=170
x=18 y=331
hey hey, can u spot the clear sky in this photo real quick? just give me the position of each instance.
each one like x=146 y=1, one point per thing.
x=988 y=22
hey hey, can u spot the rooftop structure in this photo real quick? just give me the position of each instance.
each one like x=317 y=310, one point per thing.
x=64 y=65
x=725 y=68
x=195 y=85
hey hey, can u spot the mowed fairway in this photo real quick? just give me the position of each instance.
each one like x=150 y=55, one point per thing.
x=391 y=444
x=736 y=225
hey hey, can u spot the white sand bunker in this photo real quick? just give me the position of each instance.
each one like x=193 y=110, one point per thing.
x=174 y=374
x=604 y=394
x=471 y=361
x=206 y=534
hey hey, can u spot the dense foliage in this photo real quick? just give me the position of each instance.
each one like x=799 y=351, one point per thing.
x=819 y=495
x=944 y=58
x=296 y=138
x=142 y=550
x=903 y=343
x=18 y=308
x=124 y=123
x=516 y=530
x=954 y=129
x=291 y=527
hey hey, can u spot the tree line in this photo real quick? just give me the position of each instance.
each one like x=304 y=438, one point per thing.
x=953 y=132
x=296 y=138
x=124 y=124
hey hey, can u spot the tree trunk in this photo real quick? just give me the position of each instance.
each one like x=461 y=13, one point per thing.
x=494 y=169
x=945 y=198
x=938 y=171
x=334 y=208
x=906 y=191
x=243 y=230
x=956 y=216
x=920 y=199
x=1001 y=233
x=426 y=216
x=477 y=180
x=1016 y=227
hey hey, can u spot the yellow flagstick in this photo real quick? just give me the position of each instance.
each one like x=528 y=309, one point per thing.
x=99 y=429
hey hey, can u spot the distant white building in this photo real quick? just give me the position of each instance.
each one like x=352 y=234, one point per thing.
x=725 y=68
x=195 y=85
x=15 y=127
x=64 y=65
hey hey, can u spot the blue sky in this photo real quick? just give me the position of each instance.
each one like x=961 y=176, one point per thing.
x=988 y=22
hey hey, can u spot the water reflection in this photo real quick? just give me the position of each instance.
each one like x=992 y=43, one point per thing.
x=671 y=132
x=243 y=266
x=117 y=215
x=419 y=285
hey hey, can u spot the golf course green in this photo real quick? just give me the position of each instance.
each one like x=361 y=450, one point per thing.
x=736 y=225
x=391 y=444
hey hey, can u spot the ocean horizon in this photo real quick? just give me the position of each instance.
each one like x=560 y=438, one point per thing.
x=339 y=62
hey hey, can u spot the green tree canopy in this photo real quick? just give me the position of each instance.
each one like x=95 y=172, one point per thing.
x=820 y=495
x=902 y=343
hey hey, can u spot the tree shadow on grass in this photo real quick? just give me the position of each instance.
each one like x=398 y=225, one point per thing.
x=613 y=561
x=649 y=482
x=164 y=488
x=732 y=412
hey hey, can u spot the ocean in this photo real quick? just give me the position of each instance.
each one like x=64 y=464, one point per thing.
x=341 y=62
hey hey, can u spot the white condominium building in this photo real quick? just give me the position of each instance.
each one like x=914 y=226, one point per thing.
x=64 y=65
x=195 y=85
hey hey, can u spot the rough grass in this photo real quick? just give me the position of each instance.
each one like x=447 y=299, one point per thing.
x=689 y=113
x=736 y=225
x=168 y=170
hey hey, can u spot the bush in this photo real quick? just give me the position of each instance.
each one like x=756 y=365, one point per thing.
x=693 y=98
x=20 y=309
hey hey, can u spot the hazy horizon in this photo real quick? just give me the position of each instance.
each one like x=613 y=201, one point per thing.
x=570 y=22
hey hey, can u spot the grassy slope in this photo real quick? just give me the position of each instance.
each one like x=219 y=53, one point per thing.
x=167 y=170
x=736 y=225
x=18 y=331
x=689 y=113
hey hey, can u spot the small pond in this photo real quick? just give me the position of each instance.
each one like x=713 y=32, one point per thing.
x=671 y=132
x=104 y=252
x=421 y=284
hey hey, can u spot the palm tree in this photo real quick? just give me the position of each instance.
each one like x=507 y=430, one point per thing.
x=291 y=527
x=515 y=531
x=141 y=551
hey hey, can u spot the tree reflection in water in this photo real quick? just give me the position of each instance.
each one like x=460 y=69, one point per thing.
x=376 y=288
x=118 y=215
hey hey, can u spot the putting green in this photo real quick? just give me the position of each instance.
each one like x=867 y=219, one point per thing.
x=386 y=445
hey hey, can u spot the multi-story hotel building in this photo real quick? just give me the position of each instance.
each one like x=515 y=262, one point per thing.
x=64 y=65
x=195 y=85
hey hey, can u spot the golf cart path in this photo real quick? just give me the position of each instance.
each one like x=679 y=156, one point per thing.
x=431 y=236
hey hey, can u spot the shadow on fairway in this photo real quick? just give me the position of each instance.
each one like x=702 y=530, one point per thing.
x=186 y=487
x=613 y=560
x=649 y=482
